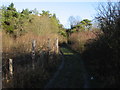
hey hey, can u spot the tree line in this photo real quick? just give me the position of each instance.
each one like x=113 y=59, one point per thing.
x=13 y=21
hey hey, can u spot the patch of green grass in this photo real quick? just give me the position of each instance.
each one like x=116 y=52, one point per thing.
x=67 y=51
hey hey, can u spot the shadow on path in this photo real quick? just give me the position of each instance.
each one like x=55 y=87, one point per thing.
x=73 y=73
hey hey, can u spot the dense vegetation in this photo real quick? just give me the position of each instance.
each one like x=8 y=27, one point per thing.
x=18 y=23
x=102 y=54
x=19 y=29
x=99 y=47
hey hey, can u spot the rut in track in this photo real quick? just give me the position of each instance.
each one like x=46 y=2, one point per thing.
x=72 y=74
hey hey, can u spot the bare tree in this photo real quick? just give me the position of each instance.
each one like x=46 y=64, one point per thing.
x=108 y=17
x=74 y=21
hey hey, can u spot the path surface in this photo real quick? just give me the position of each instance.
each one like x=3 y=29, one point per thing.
x=73 y=74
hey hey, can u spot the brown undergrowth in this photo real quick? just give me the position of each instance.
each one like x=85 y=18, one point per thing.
x=19 y=50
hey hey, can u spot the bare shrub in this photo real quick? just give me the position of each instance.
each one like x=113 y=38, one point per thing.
x=79 y=39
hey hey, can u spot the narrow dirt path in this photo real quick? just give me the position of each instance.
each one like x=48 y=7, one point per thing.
x=73 y=73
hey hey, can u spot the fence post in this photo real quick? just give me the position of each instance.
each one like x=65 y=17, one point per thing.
x=42 y=59
x=48 y=53
x=11 y=67
x=48 y=45
x=56 y=45
x=33 y=53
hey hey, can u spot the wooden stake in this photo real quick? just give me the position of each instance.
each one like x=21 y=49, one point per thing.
x=11 y=67
x=48 y=46
x=33 y=53
x=57 y=45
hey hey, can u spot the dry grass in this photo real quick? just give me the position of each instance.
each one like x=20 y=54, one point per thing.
x=19 y=50
x=24 y=43
x=40 y=28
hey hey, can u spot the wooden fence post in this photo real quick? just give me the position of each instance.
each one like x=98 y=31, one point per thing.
x=42 y=59
x=33 y=53
x=48 y=45
x=56 y=45
x=11 y=67
x=48 y=53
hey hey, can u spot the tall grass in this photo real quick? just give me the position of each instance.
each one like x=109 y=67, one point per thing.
x=19 y=50
x=18 y=46
x=24 y=43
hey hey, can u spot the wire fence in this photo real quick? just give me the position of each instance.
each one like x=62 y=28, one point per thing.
x=33 y=61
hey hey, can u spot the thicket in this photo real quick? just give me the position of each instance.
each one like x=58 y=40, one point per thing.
x=78 y=40
x=19 y=29
x=102 y=54
x=78 y=30
x=100 y=48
